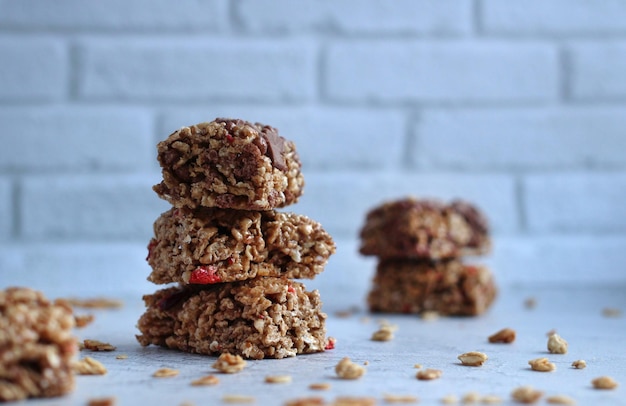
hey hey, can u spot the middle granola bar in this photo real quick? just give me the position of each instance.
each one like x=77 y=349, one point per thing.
x=214 y=245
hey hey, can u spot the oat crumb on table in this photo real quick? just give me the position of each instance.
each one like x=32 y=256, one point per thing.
x=121 y=356
x=238 y=399
x=389 y=398
x=353 y=401
x=95 y=345
x=95 y=303
x=556 y=344
x=229 y=364
x=579 y=364
x=604 y=382
x=526 y=394
x=165 y=373
x=320 y=386
x=83 y=320
x=310 y=401
x=491 y=400
x=541 y=365
x=89 y=366
x=108 y=401
x=428 y=374
x=208 y=380
x=506 y=336
x=384 y=333
x=347 y=369
x=278 y=379
x=560 y=400
x=611 y=312
x=470 y=397
x=473 y=358
x=450 y=399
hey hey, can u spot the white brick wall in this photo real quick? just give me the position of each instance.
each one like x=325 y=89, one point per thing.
x=519 y=107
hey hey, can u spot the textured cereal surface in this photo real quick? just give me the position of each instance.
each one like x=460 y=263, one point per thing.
x=37 y=348
x=258 y=318
x=423 y=228
x=416 y=286
x=229 y=163
x=236 y=245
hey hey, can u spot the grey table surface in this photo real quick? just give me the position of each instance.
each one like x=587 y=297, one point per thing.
x=576 y=313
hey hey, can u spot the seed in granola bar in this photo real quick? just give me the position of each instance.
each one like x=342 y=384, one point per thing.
x=541 y=365
x=89 y=366
x=229 y=363
x=428 y=374
x=347 y=369
x=165 y=373
x=560 y=400
x=579 y=364
x=556 y=344
x=208 y=380
x=506 y=335
x=388 y=398
x=604 y=382
x=473 y=358
x=526 y=394
x=95 y=345
x=278 y=379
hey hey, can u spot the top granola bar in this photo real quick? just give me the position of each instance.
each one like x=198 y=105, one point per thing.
x=229 y=163
x=423 y=228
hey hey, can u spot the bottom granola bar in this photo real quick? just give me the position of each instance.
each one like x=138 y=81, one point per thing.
x=447 y=287
x=258 y=318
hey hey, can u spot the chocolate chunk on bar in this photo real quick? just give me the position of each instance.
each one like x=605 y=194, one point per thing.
x=210 y=246
x=422 y=228
x=258 y=318
x=229 y=163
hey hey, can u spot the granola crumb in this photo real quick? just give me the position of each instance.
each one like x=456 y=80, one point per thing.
x=560 y=400
x=611 y=312
x=428 y=374
x=229 y=364
x=320 y=386
x=470 y=397
x=473 y=358
x=95 y=303
x=551 y=332
x=208 y=380
x=530 y=303
x=238 y=399
x=89 y=366
x=384 y=333
x=310 y=401
x=506 y=336
x=121 y=356
x=449 y=400
x=579 y=364
x=108 y=401
x=366 y=362
x=429 y=315
x=278 y=379
x=83 y=320
x=604 y=382
x=95 y=345
x=354 y=401
x=491 y=400
x=541 y=365
x=165 y=373
x=557 y=345
x=526 y=394
x=347 y=369
x=417 y=366
x=388 y=398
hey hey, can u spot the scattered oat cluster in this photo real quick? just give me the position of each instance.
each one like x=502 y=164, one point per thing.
x=228 y=248
x=420 y=245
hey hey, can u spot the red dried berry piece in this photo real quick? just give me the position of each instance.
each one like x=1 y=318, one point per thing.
x=151 y=246
x=204 y=275
x=331 y=344
x=230 y=138
x=230 y=260
x=291 y=289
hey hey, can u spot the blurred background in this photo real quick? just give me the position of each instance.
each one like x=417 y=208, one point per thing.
x=518 y=107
